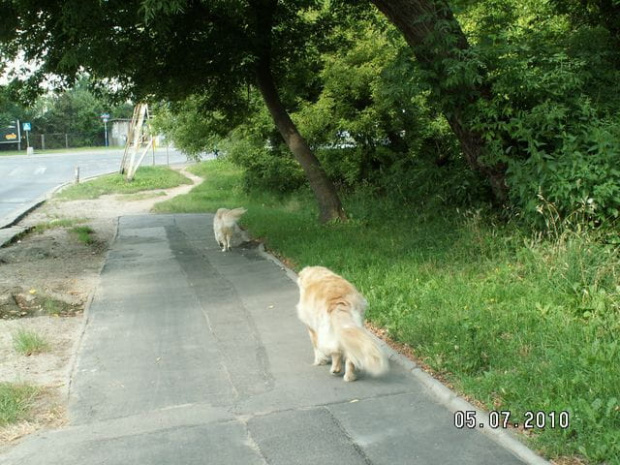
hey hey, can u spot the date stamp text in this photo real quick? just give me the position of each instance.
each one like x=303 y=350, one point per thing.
x=504 y=419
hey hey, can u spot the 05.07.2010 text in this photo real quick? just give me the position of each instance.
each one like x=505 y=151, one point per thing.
x=503 y=419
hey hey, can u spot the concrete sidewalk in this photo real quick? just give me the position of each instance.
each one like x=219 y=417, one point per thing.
x=194 y=356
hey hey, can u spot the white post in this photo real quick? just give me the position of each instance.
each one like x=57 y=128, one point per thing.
x=137 y=135
x=19 y=135
x=135 y=166
x=29 y=150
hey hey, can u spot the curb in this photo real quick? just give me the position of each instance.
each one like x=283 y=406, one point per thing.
x=73 y=362
x=9 y=228
x=441 y=393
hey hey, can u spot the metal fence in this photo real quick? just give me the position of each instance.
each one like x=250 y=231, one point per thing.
x=49 y=141
x=64 y=140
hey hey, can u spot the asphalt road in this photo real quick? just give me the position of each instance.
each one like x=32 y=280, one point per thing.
x=27 y=180
x=194 y=356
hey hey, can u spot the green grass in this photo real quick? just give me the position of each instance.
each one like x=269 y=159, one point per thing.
x=52 y=306
x=57 y=223
x=85 y=234
x=29 y=343
x=16 y=401
x=146 y=178
x=519 y=324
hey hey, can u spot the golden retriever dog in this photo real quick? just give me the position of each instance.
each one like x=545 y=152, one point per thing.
x=225 y=226
x=333 y=311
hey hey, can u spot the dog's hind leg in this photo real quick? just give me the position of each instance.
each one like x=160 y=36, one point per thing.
x=336 y=363
x=349 y=371
x=319 y=357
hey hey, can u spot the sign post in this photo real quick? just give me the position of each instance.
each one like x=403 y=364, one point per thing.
x=27 y=127
x=105 y=117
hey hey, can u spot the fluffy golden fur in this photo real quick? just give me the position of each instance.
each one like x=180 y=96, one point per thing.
x=333 y=311
x=225 y=226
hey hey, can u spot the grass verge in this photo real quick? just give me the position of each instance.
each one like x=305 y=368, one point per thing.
x=146 y=178
x=85 y=234
x=16 y=402
x=57 y=223
x=29 y=343
x=524 y=326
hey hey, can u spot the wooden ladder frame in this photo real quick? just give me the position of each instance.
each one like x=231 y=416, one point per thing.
x=138 y=128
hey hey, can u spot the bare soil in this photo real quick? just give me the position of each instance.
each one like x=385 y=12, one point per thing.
x=46 y=281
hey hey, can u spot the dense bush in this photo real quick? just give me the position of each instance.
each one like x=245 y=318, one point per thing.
x=549 y=114
x=267 y=169
x=553 y=115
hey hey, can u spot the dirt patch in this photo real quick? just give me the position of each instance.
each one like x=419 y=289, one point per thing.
x=18 y=304
x=46 y=280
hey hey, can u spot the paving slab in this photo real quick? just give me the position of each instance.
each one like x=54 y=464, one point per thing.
x=191 y=355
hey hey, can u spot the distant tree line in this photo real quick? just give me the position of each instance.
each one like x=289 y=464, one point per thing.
x=71 y=117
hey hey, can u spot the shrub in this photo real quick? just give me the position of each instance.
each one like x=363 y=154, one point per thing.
x=265 y=168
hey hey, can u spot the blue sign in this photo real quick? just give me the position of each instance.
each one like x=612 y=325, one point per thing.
x=27 y=126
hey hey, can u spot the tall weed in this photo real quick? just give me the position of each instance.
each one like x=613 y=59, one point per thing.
x=16 y=401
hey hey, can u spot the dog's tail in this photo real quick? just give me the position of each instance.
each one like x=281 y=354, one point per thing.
x=235 y=213
x=357 y=343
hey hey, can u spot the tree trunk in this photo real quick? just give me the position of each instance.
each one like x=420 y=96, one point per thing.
x=330 y=207
x=430 y=29
x=325 y=193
